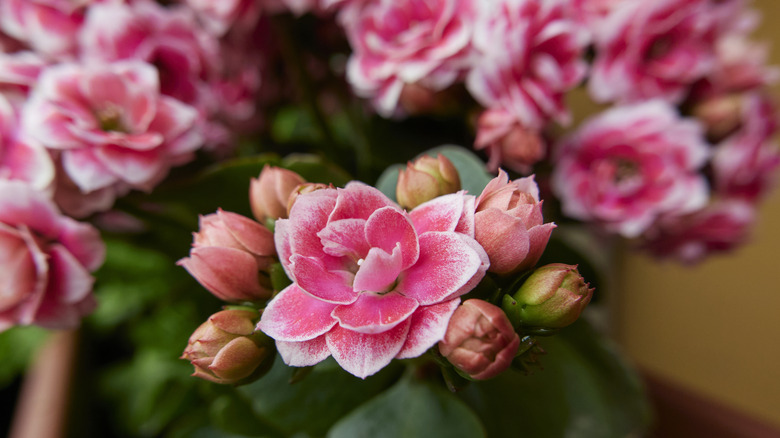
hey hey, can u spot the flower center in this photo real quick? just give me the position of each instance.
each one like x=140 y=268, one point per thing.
x=110 y=119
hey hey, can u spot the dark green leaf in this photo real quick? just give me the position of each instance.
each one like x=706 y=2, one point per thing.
x=411 y=409
x=315 y=403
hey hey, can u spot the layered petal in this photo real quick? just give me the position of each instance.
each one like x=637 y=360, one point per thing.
x=363 y=354
x=296 y=316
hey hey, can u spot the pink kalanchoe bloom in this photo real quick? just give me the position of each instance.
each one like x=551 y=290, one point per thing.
x=110 y=126
x=529 y=53
x=745 y=164
x=480 y=340
x=399 y=42
x=717 y=228
x=230 y=257
x=507 y=142
x=509 y=224
x=21 y=158
x=648 y=49
x=371 y=282
x=19 y=72
x=48 y=26
x=627 y=166
x=45 y=261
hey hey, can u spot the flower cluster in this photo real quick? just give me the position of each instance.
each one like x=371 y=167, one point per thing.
x=373 y=282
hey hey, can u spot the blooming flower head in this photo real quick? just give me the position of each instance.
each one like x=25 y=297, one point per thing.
x=21 y=158
x=528 y=54
x=371 y=282
x=625 y=167
x=110 y=126
x=398 y=42
x=45 y=261
x=47 y=26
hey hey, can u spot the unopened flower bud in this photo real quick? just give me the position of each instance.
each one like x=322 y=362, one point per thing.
x=426 y=178
x=268 y=193
x=230 y=256
x=479 y=340
x=553 y=296
x=721 y=115
x=302 y=189
x=509 y=224
x=227 y=349
x=508 y=143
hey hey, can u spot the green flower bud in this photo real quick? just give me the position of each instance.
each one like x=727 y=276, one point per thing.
x=552 y=297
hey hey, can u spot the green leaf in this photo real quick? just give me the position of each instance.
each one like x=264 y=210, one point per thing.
x=473 y=174
x=233 y=414
x=411 y=409
x=584 y=390
x=318 y=401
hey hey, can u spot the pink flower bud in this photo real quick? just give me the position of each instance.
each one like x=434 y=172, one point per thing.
x=507 y=141
x=479 y=340
x=230 y=257
x=509 y=224
x=426 y=178
x=552 y=297
x=721 y=115
x=302 y=189
x=227 y=349
x=268 y=193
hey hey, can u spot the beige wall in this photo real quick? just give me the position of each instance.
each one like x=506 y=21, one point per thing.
x=714 y=327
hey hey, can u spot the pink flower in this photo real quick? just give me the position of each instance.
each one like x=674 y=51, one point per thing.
x=507 y=142
x=19 y=72
x=269 y=193
x=628 y=165
x=371 y=282
x=719 y=227
x=398 y=42
x=529 y=53
x=648 y=49
x=230 y=257
x=168 y=38
x=45 y=261
x=509 y=224
x=110 y=126
x=745 y=164
x=47 y=26
x=21 y=158
x=480 y=340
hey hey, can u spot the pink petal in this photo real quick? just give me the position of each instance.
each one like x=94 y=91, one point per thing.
x=375 y=313
x=137 y=168
x=438 y=214
x=308 y=216
x=228 y=273
x=83 y=241
x=387 y=227
x=304 y=353
x=253 y=236
x=378 y=271
x=363 y=354
x=69 y=281
x=345 y=237
x=282 y=243
x=466 y=221
x=295 y=316
x=86 y=170
x=429 y=323
x=447 y=263
x=504 y=237
x=17 y=268
x=173 y=118
x=358 y=200
x=313 y=278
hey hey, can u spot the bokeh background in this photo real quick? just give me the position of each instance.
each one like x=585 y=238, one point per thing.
x=713 y=328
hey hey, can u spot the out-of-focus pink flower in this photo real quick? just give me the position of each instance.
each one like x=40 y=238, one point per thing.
x=19 y=72
x=230 y=257
x=649 y=49
x=371 y=282
x=509 y=224
x=480 y=340
x=741 y=65
x=269 y=193
x=719 y=227
x=109 y=125
x=507 y=142
x=745 y=164
x=528 y=54
x=627 y=166
x=167 y=38
x=222 y=16
x=21 y=158
x=398 y=42
x=591 y=13
x=49 y=27
x=45 y=261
